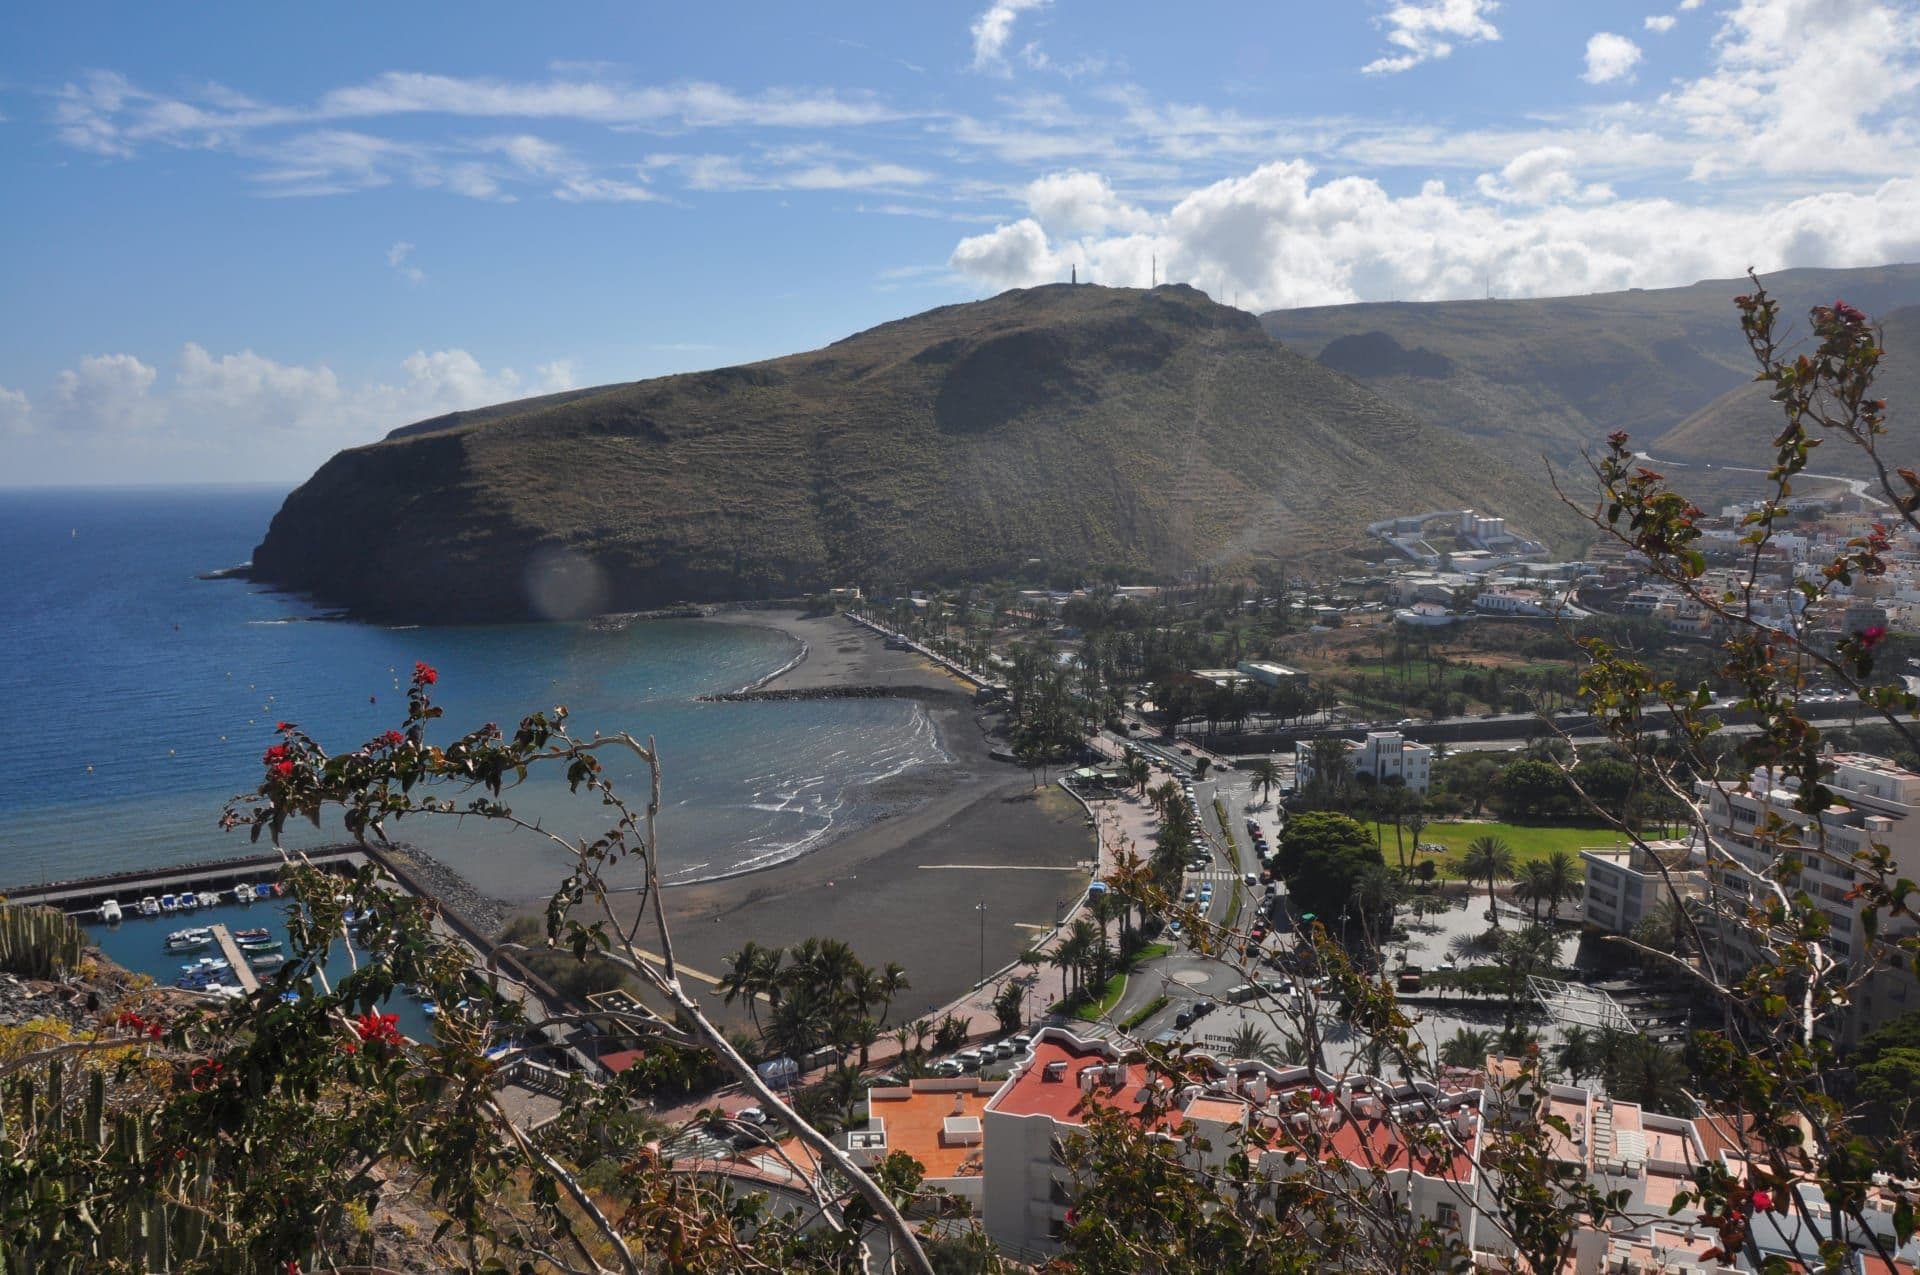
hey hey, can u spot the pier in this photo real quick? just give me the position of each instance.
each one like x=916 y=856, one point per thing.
x=235 y=958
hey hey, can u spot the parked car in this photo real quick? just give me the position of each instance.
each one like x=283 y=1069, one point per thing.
x=1253 y=878
x=968 y=1059
x=948 y=1067
x=751 y=1115
x=1203 y=1008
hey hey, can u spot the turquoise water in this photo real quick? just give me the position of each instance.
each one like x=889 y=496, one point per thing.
x=137 y=698
x=139 y=944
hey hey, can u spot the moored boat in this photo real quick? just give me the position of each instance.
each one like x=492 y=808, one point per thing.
x=253 y=935
x=149 y=906
x=243 y=893
x=266 y=960
x=110 y=911
x=168 y=903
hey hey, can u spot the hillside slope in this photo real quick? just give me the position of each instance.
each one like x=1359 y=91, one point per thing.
x=1550 y=376
x=1084 y=426
x=1737 y=428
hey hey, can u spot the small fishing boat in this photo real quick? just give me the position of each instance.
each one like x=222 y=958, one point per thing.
x=253 y=935
x=277 y=889
x=265 y=891
x=110 y=911
x=209 y=898
x=266 y=960
x=206 y=965
x=243 y=893
x=168 y=903
x=261 y=945
x=186 y=901
x=189 y=940
x=149 y=906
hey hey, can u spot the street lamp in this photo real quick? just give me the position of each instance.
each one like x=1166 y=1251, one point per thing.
x=981 y=908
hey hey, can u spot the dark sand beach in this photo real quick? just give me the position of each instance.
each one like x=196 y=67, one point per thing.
x=904 y=884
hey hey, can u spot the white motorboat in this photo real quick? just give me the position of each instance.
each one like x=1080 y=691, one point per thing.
x=110 y=911
x=149 y=906
x=209 y=898
x=243 y=893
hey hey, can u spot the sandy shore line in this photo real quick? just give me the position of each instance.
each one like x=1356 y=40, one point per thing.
x=903 y=883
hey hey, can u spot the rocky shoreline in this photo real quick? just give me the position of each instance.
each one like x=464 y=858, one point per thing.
x=450 y=889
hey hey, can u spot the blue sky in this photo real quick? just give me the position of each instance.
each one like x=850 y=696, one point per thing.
x=241 y=237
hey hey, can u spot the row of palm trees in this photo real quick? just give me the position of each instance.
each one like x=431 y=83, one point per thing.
x=1634 y=1068
x=816 y=993
x=1546 y=883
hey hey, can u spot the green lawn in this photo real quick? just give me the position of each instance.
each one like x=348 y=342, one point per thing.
x=1528 y=842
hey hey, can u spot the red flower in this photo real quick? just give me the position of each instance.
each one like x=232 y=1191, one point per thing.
x=1845 y=313
x=1872 y=636
x=381 y=1029
x=393 y=739
x=283 y=769
x=283 y=725
x=1763 y=1200
x=153 y=1030
x=424 y=674
x=277 y=754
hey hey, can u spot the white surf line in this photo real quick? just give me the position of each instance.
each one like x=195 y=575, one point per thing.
x=997 y=867
x=1029 y=925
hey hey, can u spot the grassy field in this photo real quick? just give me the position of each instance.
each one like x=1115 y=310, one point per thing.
x=1528 y=842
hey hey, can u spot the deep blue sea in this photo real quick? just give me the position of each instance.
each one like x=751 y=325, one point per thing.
x=135 y=698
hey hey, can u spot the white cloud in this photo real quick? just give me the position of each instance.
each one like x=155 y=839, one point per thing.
x=1425 y=29
x=107 y=393
x=1080 y=202
x=1543 y=175
x=397 y=258
x=1660 y=23
x=16 y=413
x=1610 y=57
x=993 y=28
x=1687 y=6
x=1770 y=103
x=1275 y=237
x=243 y=414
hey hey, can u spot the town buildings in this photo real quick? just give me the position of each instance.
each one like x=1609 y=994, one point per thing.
x=1387 y=755
x=1417 y=1145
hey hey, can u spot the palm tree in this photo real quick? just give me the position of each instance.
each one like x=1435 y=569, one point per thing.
x=1376 y=893
x=1644 y=1071
x=1667 y=927
x=1467 y=1047
x=893 y=981
x=1251 y=1044
x=1265 y=776
x=1560 y=880
x=1488 y=859
x=746 y=972
x=1533 y=885
x=1139 y=773
x=1577 y=1055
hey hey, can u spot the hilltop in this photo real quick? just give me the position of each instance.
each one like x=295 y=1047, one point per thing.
x=1153 y=431
x=1552 y=375
x=1737 y=428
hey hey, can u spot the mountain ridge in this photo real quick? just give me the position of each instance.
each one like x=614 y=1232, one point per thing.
x=1152 y=432
x=1548 y=376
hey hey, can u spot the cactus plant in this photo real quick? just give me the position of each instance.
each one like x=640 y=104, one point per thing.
x=38 y=942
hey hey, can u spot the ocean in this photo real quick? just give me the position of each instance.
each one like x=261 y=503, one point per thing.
x=137 y=698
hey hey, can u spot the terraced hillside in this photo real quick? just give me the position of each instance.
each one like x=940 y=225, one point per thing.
x=1737 y=428
x=1083 y=426
x=1547 y=377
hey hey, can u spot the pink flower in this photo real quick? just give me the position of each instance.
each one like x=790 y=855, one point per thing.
x=1763 y=1200
x=1845 y=313
x=1872 y=636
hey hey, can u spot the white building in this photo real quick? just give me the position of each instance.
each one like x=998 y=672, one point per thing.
x=1875 y=804
x=1384 y=754
x=1624 y=884
x=1291 y=1116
